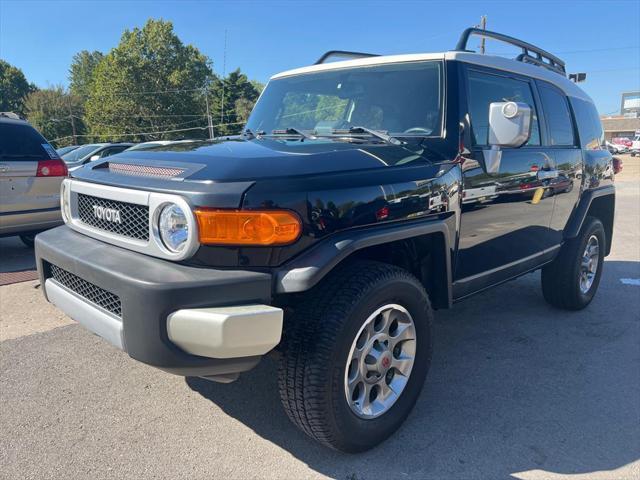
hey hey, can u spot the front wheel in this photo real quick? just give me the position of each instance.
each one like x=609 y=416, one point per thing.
x=355 y=355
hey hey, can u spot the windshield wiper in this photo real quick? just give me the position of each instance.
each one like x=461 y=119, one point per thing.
x=374 y=133
x=293 y=131
x=249 y=133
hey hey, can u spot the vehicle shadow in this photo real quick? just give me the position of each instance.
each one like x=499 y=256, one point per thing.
x=516 y=389
x=15 y=255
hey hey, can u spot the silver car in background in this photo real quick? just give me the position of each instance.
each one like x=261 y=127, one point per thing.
x=30 y=176
x=91 y=152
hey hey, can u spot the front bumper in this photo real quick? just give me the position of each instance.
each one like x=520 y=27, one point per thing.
x=207 y=310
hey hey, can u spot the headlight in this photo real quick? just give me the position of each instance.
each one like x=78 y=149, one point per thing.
x=173 y=228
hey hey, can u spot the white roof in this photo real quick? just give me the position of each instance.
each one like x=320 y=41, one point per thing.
x=499 y=63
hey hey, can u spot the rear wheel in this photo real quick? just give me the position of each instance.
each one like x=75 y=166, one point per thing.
x=571 y=280
x=355 y=355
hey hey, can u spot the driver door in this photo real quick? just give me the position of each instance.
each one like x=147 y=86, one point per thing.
x=506 y=214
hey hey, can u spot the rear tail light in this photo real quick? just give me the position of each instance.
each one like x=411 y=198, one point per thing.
x=248 y=227
x=52 y=168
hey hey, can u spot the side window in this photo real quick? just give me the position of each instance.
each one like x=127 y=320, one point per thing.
x=556 y=111
x=485 y=89
x=589 y=125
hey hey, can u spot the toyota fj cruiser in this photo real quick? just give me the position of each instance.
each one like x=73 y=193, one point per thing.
x=362 y=195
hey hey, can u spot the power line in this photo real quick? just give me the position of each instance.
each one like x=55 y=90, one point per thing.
x=146 y=133
x=151 y=92
x=567 y=52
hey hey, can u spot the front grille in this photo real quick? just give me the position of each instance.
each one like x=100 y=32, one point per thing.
x=134 y=219
x=87 y=290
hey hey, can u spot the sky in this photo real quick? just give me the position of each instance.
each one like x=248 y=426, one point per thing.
x=601 y=37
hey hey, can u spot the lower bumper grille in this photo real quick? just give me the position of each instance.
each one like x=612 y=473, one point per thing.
x=94 y=294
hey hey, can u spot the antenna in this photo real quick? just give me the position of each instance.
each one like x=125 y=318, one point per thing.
x=483 y=26
x=224 y=74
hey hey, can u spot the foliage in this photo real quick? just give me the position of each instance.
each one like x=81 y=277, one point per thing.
x=150 y=82
x=50 y=112
x=81 y=72
x=13 y=88
x=232 y=98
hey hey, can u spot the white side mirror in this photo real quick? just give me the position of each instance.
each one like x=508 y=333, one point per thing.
x=509 y=126
x=93 y=158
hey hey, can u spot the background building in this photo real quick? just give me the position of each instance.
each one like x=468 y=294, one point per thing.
x=630 y=105
x=628 y=122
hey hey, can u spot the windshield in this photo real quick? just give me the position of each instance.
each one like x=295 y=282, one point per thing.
x=79 y=153
x=400 y=99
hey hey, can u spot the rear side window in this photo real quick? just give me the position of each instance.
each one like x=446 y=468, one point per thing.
x=21 y=142
x=589 y=126
x=484 y=89
x=556 y=112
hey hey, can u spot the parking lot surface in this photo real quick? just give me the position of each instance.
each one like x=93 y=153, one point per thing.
x=517 y=389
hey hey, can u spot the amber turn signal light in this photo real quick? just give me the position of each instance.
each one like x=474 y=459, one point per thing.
x=248 y=227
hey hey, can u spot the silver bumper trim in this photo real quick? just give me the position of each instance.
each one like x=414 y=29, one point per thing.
x=226 y=332
x=93 y=318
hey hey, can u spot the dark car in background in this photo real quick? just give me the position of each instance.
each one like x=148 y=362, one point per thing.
x=31 y=172
x=92 y=152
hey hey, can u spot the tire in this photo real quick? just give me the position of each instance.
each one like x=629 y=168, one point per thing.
x=561 y=279
x=319 y=337
x=28 y=239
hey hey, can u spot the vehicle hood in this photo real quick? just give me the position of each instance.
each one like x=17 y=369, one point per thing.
x=248 y=160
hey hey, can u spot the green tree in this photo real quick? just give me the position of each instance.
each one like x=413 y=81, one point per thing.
x=81 y=72
x=150 y=82
x=233 y=99
x=13 y=88
x=51 y=111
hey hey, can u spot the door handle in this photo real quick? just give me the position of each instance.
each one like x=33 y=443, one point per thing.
x=548 y=174
x=4 y=168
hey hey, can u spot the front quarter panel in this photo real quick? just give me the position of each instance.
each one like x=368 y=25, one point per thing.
x=332 y=203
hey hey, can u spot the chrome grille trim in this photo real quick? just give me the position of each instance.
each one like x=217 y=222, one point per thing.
x=92 y=293
x=152 y=245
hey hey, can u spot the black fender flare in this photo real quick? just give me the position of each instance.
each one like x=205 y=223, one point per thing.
x=308 y=268
x=572 y=229
x=580 y=212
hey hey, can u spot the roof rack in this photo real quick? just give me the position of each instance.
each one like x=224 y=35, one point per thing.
x=542 y=58
x=343 y=53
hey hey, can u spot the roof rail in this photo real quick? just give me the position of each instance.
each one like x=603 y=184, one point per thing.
x=542 y=58
x=343 y=53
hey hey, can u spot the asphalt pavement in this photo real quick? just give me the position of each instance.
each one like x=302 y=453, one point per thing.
x=517 y=389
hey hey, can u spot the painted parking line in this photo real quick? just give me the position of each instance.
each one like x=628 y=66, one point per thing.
x=631 y=281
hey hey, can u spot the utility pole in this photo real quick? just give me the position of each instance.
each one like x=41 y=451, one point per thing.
x=73 y=122
x=224 y=74
x=206 y=99
x=483 y=26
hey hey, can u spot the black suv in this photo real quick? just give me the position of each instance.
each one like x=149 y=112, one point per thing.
x=363 y=194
